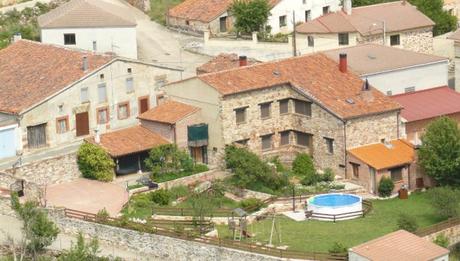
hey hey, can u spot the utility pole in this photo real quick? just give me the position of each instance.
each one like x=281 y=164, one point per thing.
x=294 y=36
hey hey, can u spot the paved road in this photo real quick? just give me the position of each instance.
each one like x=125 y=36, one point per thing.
x=10 y=226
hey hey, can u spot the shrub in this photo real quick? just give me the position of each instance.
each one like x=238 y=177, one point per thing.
x=303 y=167
x=441 y=240
x=252 y=204
x=161 y=197
x=95 y=163
x=198 y=168
x=168 y=159
x=407 y=222
x=251 y=172
x=102 y=216
x=386 y=187
x=178 y=192
x=328 y=175
x=338 y=248
x=445 y=201
x=278 y=165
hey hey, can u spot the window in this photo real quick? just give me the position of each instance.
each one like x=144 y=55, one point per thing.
x=389 y=93
x=267 y=142
x=311 y=41
x=69 y=39
x=302 y=107
x=129 y=85
x=284 y=106
x=326 y=10
x=355 y=168
x=102 y=92
x=307 y=15
x=101 y=76
x=36 y=136
x=303 y=139
x=394 y=40
x=329 y=145
x=62 y=124
x=265 y=110
x=123 y=110
x=84 y=95
x=284 y=138
x=396 y=174
x=283 y=20
x=130 y=70
x=94 y=46
x=240 y=115
x=343 y=39
x=409 y=89
x=102 y=115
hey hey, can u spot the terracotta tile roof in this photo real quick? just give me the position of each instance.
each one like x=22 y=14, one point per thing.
x=168 y=112
x=222 y=62
x=400 y=245
x=315 y=75
x=32 y=71
x=367 y=20
x=427 y=104
x=366 y=59
x=86 y=13
x=127 y=141
x=204 y=10
x=383 y=156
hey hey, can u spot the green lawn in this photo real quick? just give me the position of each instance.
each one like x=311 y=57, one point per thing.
x=159 y=8
x=319 y=236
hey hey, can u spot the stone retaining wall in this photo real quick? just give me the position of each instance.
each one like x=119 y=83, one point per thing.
x=197 y=178
x=153 y=247
x=5 y=207
x=49 y=171
x=452 y=233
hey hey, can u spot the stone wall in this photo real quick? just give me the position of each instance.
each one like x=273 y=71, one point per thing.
x=49 y=171
x=452 y=233
x=372 y=129
x=197 y=178
x=143 y=5
x=153 y=247
x=5 y=207
x=321 y=124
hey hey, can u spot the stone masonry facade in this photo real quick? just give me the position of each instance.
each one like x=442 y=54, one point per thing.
x=417 y=40
x=320 y=125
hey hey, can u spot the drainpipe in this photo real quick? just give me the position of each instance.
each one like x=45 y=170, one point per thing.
x=345 y=147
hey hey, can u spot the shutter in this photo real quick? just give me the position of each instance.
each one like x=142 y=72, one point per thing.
x=36 y=136
x=82 y=123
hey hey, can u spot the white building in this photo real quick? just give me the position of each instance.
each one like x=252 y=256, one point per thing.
x=282 y=14
x=393 y=70
x=92 y=25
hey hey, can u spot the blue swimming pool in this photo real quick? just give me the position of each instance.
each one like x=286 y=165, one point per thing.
x=335 y=200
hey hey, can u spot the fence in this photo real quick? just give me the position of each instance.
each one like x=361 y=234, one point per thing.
x=438 y=227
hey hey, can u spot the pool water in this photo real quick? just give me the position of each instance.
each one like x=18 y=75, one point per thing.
x=335 y=200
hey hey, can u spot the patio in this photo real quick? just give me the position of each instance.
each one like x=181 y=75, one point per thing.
x=88 y=196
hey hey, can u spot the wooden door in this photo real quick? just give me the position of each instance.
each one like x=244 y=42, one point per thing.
x=82 y=123
x=36 y=136
x=143 y=105
x=197 y=154
x=223 y=24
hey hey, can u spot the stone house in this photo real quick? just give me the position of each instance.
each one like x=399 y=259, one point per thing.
x=54 y=97
x=398 y=24
x=394 y=70
x=423 y=107
x=92 y=25
x=395 y=159
x=214 y=16
x=302 y=104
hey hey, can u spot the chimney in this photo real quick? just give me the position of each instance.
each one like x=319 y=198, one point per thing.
x=243 y=60
x=347 y=6
x=85 y=66
x=17 y=37
x=343 y=62
x=366 y=86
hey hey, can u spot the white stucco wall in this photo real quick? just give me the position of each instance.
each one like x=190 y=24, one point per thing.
x=421 y=77
x=121 y=40
x=323 y=42
x=286 y=7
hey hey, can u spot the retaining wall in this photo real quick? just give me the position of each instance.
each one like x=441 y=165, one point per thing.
x=197 y=178
x=452 y=233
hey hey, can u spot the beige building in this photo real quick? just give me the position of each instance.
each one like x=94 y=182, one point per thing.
x=54 y=96
x=397 y=24
x=303 y=104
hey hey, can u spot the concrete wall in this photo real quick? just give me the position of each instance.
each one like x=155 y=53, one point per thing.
x=421 y=77
x=120 y=40
x=196 y=93
x=145 y=85
x=286 y=7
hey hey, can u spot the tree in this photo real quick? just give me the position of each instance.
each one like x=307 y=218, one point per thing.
x=39 y=231
x=439 y=154
x=168 y=158
x=81 y=250
x=95 y=163
x=303 y=167
x=445 y=22
x=445 y=201
x=250 y=15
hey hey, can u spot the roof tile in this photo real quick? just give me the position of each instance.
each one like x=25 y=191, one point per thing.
x=168 y=112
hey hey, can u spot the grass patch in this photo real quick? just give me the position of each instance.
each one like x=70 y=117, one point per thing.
x=159 y=8
x=320 y=235
x=135 y=186
x=198 y=168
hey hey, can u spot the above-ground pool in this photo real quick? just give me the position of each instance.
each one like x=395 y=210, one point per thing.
x=335 y=206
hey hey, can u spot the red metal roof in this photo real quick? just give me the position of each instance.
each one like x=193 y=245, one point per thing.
x=427 y=104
